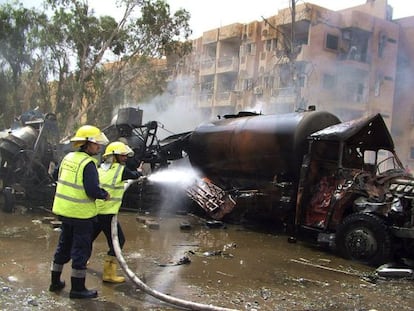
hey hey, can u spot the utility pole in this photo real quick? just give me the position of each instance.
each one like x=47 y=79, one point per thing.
x=292 y=30
x=292 y=57
x=290 y=52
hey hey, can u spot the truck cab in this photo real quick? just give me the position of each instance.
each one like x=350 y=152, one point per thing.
x=354 y=193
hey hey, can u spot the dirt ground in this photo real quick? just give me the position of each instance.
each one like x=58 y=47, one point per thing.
x=230 y=267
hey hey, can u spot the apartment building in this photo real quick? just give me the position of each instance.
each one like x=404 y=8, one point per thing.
x=403 y=112
x=350 y=62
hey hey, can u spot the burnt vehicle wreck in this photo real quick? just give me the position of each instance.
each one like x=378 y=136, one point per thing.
x=29 y=150
x=331 y=183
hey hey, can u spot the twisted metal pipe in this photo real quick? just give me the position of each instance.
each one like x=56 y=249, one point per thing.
x=147 y=289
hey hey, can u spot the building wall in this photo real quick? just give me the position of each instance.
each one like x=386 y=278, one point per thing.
x=403 y=121
x=344 y=62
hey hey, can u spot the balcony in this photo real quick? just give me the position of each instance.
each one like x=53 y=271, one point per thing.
x=205 y=99
x=284 y=95
x=210 y=36
x=207 y=67
x=358 y=20
x=228 y=64
x=226 y=98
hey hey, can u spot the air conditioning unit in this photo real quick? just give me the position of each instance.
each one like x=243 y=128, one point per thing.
x=258 y=90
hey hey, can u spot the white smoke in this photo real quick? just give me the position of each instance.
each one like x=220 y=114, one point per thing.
x=174 y=113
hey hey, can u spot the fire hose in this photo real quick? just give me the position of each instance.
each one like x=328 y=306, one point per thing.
x=147 y=289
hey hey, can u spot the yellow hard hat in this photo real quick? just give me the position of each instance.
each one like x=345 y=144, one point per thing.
x=118 y=147
x=89 y=133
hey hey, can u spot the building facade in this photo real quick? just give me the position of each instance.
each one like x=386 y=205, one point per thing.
x=352 y=62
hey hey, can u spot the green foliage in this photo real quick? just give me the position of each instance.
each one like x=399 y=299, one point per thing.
x=16 y=55
x=71 y=46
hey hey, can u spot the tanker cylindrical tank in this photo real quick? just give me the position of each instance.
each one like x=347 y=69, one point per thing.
x=258 y=146
x=18 y=139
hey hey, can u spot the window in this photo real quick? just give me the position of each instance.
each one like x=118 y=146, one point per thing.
x=271 y=45
x=355 y=91
x=412 y=153
x=381 y=44
x=268 y=82
x=207 y=86
x=241 y=51
x=328 y=81
x=301 y=80
x=247 y=84
x=268 y=45
x=360 y=89
x=250 y=48
x=377 y=86
x=332 y=42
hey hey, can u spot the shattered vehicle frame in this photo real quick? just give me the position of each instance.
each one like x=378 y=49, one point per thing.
x=29 y=151
x=331 y=183
x=355 y=193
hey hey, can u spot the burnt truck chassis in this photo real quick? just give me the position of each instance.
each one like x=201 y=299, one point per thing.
x=28 y=153
x=349 y=192
x=327 y=182
x=363 y=204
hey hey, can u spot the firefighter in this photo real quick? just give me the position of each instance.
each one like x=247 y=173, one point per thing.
x=113 y=173
x=74 y=203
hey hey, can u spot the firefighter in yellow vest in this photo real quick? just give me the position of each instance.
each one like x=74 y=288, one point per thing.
x=113 y=173
x=74 y=203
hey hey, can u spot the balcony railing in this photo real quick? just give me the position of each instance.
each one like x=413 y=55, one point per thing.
x=226 y=64
x=208 y=66
x=226 y=98
x=206 y=99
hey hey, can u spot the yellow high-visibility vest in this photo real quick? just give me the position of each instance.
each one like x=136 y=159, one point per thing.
x=71 y=199
x=111 y=181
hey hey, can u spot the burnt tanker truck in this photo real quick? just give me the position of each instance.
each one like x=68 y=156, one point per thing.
x=333 y=183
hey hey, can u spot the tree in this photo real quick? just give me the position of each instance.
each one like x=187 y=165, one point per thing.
x=75 y=43
x=289 y=69
x=16 y=45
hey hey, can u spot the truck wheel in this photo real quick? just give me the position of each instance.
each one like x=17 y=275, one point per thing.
x=8 y=199
x=364 y=237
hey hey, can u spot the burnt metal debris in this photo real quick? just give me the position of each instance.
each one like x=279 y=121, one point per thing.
x=29 y=150
x=333 y=183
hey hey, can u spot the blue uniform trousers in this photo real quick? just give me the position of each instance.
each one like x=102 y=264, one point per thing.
x=104 y=224
x=75 y=242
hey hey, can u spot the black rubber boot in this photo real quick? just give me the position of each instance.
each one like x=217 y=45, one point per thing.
x=56 y=284
x=79 y=290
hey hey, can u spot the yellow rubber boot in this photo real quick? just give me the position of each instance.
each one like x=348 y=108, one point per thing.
x=109 y=271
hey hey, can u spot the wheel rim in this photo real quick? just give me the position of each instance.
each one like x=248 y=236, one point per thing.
x=361 y=243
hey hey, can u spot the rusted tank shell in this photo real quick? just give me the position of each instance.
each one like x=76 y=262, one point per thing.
x=18 y=139
x=259 y=146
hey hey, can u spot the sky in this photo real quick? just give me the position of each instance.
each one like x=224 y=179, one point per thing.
x=210 y=14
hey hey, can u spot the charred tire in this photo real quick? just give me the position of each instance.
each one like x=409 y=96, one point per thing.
x=8 y=200
x=364 y=237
